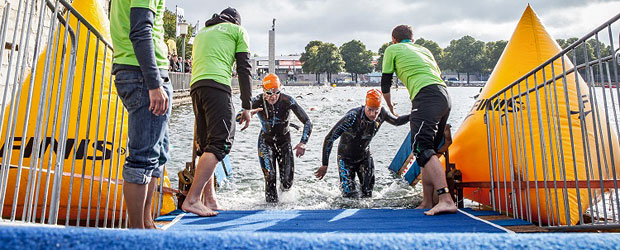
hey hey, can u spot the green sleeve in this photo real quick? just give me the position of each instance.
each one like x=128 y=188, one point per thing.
x=388 y=61
x=243 y=41
x=147 y=4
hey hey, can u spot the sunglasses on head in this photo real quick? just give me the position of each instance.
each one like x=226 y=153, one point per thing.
x=270 y=93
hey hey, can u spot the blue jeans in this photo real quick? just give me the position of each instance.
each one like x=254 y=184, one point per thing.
x=147 y=133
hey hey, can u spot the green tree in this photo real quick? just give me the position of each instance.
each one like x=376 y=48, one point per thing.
x=593 y=50
x=379 y=65
x=433 y=47
x=169 y=24
x=309 y=59
x=492 y=52
x=578 y=54
x=465 y=55
x=170 y=32
x=357 y=60
x=329 y=59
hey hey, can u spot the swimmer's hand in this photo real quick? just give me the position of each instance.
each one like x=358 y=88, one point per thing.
x=300 y=149
x=246 y=116
x=320 y=172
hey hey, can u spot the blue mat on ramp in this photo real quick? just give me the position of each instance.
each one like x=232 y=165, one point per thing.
x=510 y=222
x=33 y=237
x=479 y=212
x=341 y=221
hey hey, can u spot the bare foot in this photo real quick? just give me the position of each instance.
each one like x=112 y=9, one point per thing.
x=149 y=223
x=198 y=208
x=424 y=206
x=442 y=207
x=211 y=204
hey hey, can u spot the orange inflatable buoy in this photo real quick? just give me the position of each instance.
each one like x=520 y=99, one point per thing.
x=529 y=47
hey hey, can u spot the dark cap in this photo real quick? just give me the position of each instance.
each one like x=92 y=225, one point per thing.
x=233 y=13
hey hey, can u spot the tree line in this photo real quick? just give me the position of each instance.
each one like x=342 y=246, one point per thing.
x=466 y=55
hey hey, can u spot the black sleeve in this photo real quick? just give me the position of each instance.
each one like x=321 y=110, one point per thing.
x=140 y=34
x=386 y=82
x=303 y=117
x=391 y=119
x=244 y=73
x=343 y=125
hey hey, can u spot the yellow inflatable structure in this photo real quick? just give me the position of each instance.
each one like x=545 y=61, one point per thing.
x=529 y=47
x=99 y=148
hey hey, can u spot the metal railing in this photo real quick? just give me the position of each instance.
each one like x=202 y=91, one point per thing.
x=63 y=126
x=553 y=145
x=180 y=81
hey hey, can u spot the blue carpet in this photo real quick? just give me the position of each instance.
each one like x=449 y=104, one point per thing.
x=480 y=212
x=21 y=237
x=510 y=222
x=341 y=221
x=170 y=216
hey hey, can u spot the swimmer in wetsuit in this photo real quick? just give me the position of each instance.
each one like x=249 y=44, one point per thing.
x=274 y=140
x=357 y=128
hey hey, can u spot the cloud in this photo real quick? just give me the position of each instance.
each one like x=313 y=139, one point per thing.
x=300 y=21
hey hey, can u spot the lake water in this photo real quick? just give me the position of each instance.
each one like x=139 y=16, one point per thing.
x=325 y=106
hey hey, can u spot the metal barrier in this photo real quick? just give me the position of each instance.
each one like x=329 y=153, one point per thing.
x=553 y=138
x=67 y=169
x=180 y=81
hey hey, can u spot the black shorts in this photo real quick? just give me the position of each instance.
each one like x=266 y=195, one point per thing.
x=215 y=122
x=430 y=109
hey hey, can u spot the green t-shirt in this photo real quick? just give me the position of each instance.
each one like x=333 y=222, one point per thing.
x=214 y=51
x=414 y=65
x=120 y=27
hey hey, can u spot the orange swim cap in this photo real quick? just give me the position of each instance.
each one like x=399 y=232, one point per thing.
x=271 y=81
x=373 y=98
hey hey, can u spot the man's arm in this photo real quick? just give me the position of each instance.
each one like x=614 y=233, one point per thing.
x=244 y=75
x=303 y=117
x=386 y=82
x=343 y=125
x=391 y=119
x=140 y=34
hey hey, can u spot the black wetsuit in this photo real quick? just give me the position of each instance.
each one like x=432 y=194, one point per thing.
x=356 y=132
x=274 y=141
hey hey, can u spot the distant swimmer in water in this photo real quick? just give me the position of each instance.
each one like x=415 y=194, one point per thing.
x=356 y=129
x=274 y=140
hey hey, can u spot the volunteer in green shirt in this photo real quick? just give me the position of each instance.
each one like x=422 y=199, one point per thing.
x=430 y=107
x=217 y=46
x=141 y=70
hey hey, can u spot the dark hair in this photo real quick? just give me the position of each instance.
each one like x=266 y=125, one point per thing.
x=402 y=32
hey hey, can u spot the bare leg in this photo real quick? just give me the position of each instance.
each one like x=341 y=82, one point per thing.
x=135 y=196
x=204 y=170
x=438 y=179
x=427 y=191
x=148 y=205
x=208 y=195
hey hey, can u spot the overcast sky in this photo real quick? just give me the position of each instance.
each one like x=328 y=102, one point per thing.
x=339 y=21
